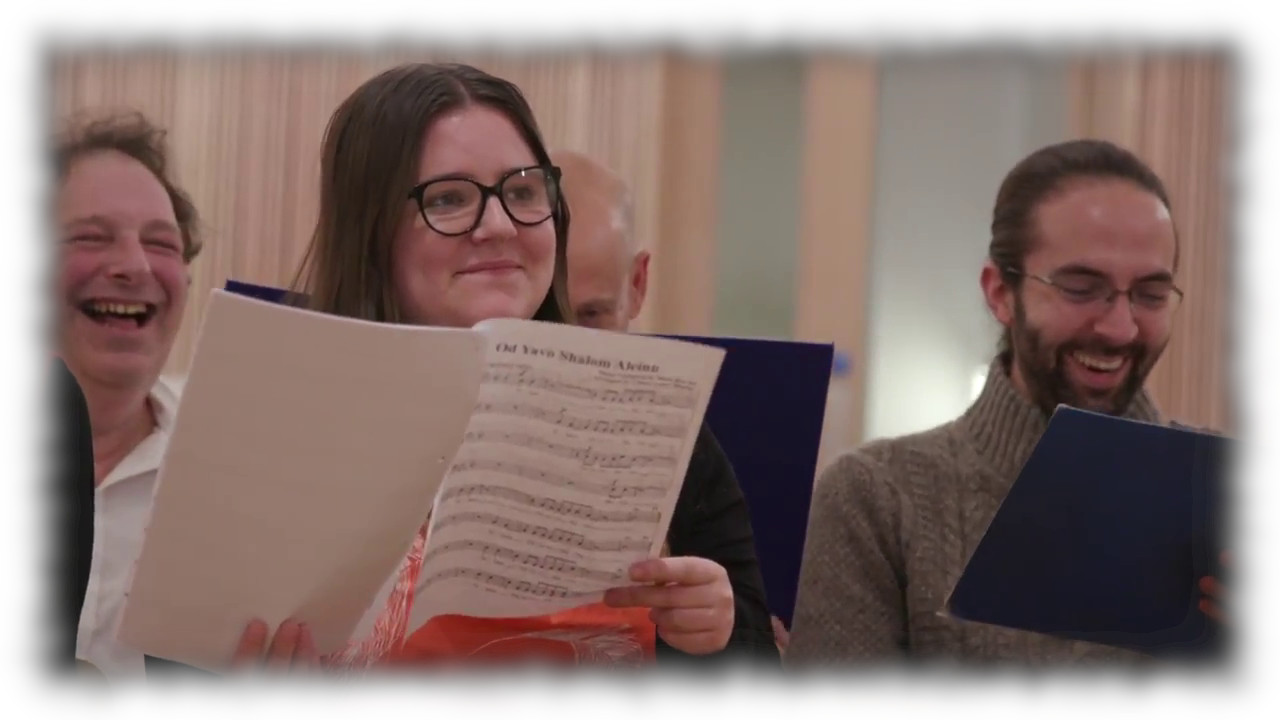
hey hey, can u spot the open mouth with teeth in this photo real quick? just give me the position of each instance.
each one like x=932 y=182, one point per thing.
x=118 y=313
x=1098 y=363
x=1099 y=371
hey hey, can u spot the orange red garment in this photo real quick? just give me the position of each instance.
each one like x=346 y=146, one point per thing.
x=593 y=634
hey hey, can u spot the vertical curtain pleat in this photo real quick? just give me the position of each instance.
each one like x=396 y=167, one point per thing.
x=833 y=257
x=1171 y=110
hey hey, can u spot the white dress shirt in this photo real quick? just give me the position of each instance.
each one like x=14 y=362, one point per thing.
x=122 y=509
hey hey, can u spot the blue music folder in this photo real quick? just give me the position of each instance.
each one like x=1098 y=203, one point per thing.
x=1104 y=536
x=767 y=411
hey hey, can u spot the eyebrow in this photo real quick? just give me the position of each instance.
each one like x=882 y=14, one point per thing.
x=468 y=176
x=447 y=176
x=161 y=225
x=98 y=220
x=105 y=223
x=1077 y=269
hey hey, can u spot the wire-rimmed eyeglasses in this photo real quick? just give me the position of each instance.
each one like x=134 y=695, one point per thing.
x=1092 y=290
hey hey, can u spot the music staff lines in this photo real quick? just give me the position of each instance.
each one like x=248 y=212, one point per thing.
x=563 y=566
x=589 y=457
x=562 y=417
x=559 y=507
x=616 y=489
x=526 y=587
x=555 y=535
x=523 y=376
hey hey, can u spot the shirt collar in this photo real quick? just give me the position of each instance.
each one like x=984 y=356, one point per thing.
x=145 y=457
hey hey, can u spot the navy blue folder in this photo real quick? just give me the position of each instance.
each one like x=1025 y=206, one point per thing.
x=767 y=411
x=1104 y=537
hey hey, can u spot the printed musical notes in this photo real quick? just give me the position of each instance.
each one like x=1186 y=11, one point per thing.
x=564 y=417
x=509 y=584
x=562 y=508
x=569 y=470
x=616 y=488
x=681 y=397
x=551 y=563
x=556 y=536
x=588 y=455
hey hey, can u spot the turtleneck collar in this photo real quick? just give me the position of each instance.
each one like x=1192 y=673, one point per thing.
x=1004 y=426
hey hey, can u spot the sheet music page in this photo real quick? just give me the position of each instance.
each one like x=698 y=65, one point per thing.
x=570 y=469
x=305 y=456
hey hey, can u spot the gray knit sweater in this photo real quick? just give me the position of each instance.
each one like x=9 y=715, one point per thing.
x=892 y=526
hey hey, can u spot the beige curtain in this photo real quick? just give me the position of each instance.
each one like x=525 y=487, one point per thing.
x=246 y=128
x=682 y=283
x=832 y=258
x=1172 y=111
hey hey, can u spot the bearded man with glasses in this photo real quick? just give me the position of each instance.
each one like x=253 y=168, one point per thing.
x=1080 y=273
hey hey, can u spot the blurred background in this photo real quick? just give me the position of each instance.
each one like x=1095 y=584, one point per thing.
x=830 y=197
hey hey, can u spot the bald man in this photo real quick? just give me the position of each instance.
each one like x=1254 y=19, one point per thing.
x=608 y=273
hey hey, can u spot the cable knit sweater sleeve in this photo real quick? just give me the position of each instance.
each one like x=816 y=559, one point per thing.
x=849 y=604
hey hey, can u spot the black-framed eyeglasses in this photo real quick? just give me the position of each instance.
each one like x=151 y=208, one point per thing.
x=1093 y=291
x=454 y=206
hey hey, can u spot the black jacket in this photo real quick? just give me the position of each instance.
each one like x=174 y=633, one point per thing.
x=711 y=521
x=73 y=503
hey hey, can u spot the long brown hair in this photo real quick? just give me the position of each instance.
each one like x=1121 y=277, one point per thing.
x=368 y=163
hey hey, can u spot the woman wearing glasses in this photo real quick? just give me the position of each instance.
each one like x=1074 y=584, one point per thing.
x=439 y=206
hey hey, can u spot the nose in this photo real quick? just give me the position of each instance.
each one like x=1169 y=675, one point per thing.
x=1118 y=326
x=128 y=259
x=494 y=222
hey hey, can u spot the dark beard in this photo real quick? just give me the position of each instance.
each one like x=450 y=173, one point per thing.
x=1045 y=374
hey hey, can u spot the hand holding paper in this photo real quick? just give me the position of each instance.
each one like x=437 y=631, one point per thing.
x=291 y=647
x=691 y=598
